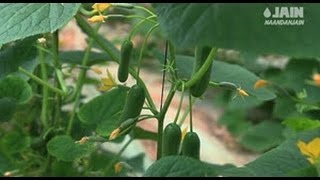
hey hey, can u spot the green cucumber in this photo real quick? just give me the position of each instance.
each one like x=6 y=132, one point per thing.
x=171 y=140
x=134 y=103
x=201 y=54
x=123 y=69
x=191 y=145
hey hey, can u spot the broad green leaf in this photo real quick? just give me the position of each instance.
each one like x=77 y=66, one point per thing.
x=301 y=124
x=103 y=163
x=8 y=107
x=309 y=171
x=140 y=133
x=15 y=142
x=76 y=57
x=174 y=166
x=23 y=53
x=284 y=108
x=65 y=148
x=263 y=136
x=20 y=20
x=295 y=76
x=240 y=26
x=283 y=159
x=137 y=162
x=235 y=121
x=16 y=88
x=104 y=110
x=62 y=168
x=108 y=124
x=222 y=71
x=237 y=172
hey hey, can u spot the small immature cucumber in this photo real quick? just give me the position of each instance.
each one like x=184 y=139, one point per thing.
x=126 y=51
x=134 y=103
x=191 y=145
x=201 y=54
x=171 y=140
x=228 y=85
x=127 y=123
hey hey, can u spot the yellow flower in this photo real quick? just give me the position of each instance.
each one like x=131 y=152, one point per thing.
x=311 y=150
x=183 y=133
x=96 y=70
x=98 y=18
x=118 y=167
x=42 y=40
x=260 y=83
x=316 y=79
x=100 y=7
x=241 y=92
x=83 y=140
x=107 y=83
x=114 y=134
x=8 y=174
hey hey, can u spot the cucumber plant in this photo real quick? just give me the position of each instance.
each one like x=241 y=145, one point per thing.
x=48 y=128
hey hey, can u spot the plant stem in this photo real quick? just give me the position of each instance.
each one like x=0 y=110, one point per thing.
x=190 y=110
x=144 y=9
x=42 y=82
x=91 y=33
x=136 y=26
x=55 y=49
x=115 y=159
x=45 y=92
x=213 y=84
x=161 y=119
x=180 y=105
x=79 y=85
x=143 y=46
x=131 y=17
x=172 y=61
x=186 y=112
x=86 y=27
x=58 y=77
x=196 y=77
x=86 y=12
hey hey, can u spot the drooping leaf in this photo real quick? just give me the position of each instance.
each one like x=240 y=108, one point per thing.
x=263 y=136
x=283 y=160
x=104 y=110
x=174 y=166
x=284 y=108
x=65 y=148
x=20 y=20
x=235 y=121
x=309 y=171
x=241 y=27
x=23 y=53
x=237 y=172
